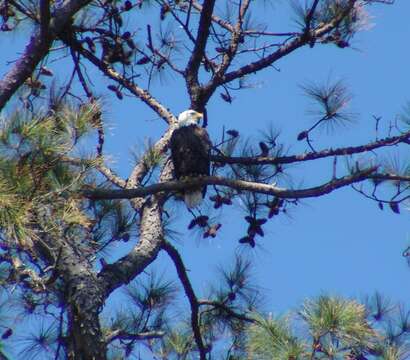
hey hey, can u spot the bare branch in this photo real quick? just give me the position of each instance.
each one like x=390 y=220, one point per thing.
x=111 y=176
x=44 y=17
x=235 y=41
x=189 y=292
x=221 y=22
x=199 y=48
x=311 y=13
x=108 y=173
x=284 y=50
x=120 y=334
x=391 y=177
x=157 y=52
x=262 y=160
x=227 y=309
x=240 y=185
x=142 y=94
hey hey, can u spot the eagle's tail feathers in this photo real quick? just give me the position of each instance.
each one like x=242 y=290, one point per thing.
x=193 y=198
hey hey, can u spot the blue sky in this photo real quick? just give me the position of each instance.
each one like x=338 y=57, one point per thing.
x=339 y=244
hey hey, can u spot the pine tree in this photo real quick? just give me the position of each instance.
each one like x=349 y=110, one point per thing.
x=63 y=207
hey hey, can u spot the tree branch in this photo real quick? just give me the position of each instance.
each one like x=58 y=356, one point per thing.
x=263 y=160
x=221 y=22
x=37 y=48
x=189 y=292
x=199 y=48
x=240 y=185
x=139 y=171
x=391 y=177
x=44 y=17
x=111 y=176
x=284 y=50
x=121 y=334
x=311 y=13
x=142 y=94
x=227 y=309
x=235 y=41
x=108 y=173
x=128 y=267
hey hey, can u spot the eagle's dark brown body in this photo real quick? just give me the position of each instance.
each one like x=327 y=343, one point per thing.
x=190 y=147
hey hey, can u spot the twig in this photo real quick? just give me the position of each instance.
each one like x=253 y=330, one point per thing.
x=227 y=309
x=123 y=335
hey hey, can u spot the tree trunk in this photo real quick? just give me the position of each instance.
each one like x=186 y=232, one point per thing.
x=84 y=335
x=84 y=300
x=85 y=340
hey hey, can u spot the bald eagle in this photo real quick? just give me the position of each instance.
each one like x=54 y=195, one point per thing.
x=190 y=147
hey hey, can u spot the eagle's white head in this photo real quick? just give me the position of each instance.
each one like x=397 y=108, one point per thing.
x=189 y=117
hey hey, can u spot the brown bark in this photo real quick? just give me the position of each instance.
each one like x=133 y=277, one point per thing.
x=240 y=185
x=85 y=340
x=84 y=300
x=151 y=236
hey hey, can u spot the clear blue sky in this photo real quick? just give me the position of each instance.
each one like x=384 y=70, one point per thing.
x=339 y=244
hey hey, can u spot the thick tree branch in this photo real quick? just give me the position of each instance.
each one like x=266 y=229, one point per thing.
x=44 y=17
x=128 y=267
x=189 y=292
x=240 y=185
x=37 y=48
x=81 y=293
x=84 y=298
x=199 y=48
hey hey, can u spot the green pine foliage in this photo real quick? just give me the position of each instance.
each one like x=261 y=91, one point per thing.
x=36 y=174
